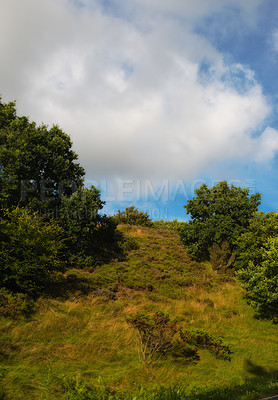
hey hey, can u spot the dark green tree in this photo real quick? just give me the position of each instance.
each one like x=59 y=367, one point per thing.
x=30 y=252
x=37 y=163
x=90 y=236
x=218 y=214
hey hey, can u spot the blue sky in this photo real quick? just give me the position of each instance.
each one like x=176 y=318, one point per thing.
x=158 y=96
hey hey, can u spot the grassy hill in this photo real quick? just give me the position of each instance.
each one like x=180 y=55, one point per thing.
x=76 y=343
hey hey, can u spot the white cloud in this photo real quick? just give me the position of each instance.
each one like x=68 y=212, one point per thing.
x=133 y=99
x=267 y=145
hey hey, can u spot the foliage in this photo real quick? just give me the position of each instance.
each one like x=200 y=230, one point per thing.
x=30 y=252
x=221 y=256
x=14 y=304
x=156 y=338
x=88 y=336
x=155 y=334
x=90 y=236
x=218 y=214
x=261 y=281
x=174 y=225
x=133 y=216
x=199 y=338
x=257 y=262
x=37 y=164
x=251 y=244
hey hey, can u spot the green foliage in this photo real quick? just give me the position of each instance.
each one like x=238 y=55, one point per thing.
x=218 y=214
x=14 y=304
x=133 y=216
x=30 y=252
x=90 y=236
x=251 y=244
x=155 y=334
x=33 y=158
x=221 y=256
x=157 y=338
x=257 y=262
x=174 y=225
x=200 y=339
x=261 y=281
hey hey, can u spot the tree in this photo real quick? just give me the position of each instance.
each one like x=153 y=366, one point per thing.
x=251 y=244
x=218 y=214
x=37 y=164
x=257 y=264
x=90 y=235
x=30 y=252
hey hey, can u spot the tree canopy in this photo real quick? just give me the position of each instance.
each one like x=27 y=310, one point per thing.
x=218 y=214
x=37 y=163
x=257 y=263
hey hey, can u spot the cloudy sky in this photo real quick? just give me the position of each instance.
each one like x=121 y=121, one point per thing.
x=158 y=96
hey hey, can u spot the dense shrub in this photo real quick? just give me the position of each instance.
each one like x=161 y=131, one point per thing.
x=159 y=336
x=31 y=252
x=133 y=216
x=14 y=304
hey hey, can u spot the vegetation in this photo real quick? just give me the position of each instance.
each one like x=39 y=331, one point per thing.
x=31 y=252
x=218 y=214
x=37 y=164
x=257 y=264
x=77 y=291
x=90 y=237
x=133 y=216
x=62 y=349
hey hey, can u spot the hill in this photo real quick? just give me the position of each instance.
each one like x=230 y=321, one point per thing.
x=80 y=341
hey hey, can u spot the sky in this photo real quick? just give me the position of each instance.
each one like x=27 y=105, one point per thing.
x=158 y=96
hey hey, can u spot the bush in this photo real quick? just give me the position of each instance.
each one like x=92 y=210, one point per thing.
x=31 y=252
x=174 y=225
x=133 y=216
x=14 y=305
x=158 y=337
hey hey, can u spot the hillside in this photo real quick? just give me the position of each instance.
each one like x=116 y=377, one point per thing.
x=82 y=339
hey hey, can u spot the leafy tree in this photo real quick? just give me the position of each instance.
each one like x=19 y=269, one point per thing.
x=251 y=244
x=218 y=214
x=37 y=164
x=257 y=264
x=30 y=252
x=90 y=235
x=133 y=216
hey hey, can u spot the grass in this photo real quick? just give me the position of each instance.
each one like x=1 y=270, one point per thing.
x=77 y=348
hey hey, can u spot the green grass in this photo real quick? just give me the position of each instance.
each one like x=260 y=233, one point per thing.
x=63 y=350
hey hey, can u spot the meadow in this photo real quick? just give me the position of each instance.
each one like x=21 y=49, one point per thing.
x=79 y=345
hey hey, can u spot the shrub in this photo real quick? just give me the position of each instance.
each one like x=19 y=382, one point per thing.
x=31 y=252
x=199 y=338
x=155 y=334
x=158 y=337
x=14 y=305
x=133 y=216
